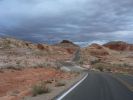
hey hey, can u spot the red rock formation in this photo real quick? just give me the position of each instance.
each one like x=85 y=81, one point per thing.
x=68 y=45
x=96 y=50
x=119 y=46
x=66 y=41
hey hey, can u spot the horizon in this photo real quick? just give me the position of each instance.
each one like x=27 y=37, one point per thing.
x=81 y=44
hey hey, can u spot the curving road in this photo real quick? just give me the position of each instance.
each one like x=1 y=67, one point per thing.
x=76 y=55
x=100 y=86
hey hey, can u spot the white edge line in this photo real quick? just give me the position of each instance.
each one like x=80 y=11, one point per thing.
x=71 y=89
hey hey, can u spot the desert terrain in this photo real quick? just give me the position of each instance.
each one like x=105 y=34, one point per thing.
x=29 y=69
x=113 y=56
x=24 y=64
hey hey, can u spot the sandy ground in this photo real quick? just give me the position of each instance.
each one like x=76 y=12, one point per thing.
x=15 y=84
x=57 y=91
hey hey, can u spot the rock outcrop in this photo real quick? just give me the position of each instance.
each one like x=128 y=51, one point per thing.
x=119 y=46
x=16 y=52
x=68 y=45
x=7 y=43
x=96 y=50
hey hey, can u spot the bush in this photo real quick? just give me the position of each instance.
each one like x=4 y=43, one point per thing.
x=103 y=66
x=40 y=89
x=58 y=84
x=14 y=68
x=81 y=62
x=42 y=65
x=108 y=69
x=95 y=61
x=48 y=81
x=126 y=65
x=100 y=68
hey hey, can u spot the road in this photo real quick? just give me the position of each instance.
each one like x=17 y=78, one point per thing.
x=76 y=55
x=127 y=78
x=100 y=86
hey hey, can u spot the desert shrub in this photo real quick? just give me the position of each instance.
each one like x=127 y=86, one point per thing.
x=100 y=68
x=14 y=68
x=18 y=62
x=81 y=62
x=126 y=65
x=108 y=69
x=48 y=81
x=122 y=65
x=43 y=65
x=104 y=65
x=58 y=65
x=40 y=89
x=95 y=61
x=7 y=44
x=59 y=84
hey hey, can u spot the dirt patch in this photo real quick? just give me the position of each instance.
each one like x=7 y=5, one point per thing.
x=14 y=84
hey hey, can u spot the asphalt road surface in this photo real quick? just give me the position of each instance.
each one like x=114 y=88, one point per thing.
x=100 y=86
x=127 y=78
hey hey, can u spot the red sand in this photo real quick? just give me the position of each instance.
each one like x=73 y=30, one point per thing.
x=21 y=81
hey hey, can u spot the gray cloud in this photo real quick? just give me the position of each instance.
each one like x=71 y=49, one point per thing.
x=77 y=20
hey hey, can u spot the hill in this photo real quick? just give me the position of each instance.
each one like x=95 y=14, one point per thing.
x=19 y=53
x=68 y=45
x=115 y=59
x=119 y=46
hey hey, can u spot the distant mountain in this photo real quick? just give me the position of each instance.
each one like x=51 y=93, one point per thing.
x=119 y=46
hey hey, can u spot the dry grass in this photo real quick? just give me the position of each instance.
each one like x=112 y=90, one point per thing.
x=49 y=81
x=100 y=68
x=40 y=89
x=60 y=83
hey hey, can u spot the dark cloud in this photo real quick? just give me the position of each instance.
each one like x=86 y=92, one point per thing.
x=77 y=20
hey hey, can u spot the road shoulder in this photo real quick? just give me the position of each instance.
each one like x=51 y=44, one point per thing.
x=58 y=91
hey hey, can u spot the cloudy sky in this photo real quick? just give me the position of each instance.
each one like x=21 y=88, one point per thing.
x=78 y=20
